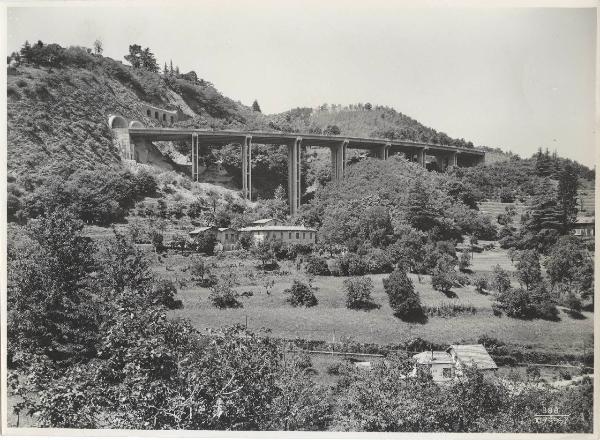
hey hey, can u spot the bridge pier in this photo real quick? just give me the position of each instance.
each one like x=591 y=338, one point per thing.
x=195 y=157
x=247 y=167
x=294 y=169
x=384 y=151
x=338 y=160
x=421 y=155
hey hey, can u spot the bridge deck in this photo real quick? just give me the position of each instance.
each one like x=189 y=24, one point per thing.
x=225 y=137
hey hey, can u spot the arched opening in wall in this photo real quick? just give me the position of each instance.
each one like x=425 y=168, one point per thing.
x=155 y=115
x=164 y=117
x=171 y=119
x=148 y=113
x=136 y=124
x=116 y=121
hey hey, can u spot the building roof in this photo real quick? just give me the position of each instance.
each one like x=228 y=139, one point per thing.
x=201 y=229
x=435 y=357
x=277 y=228
x=474 y=354
x=584 y=220
x=262 y=221
x=226 y=229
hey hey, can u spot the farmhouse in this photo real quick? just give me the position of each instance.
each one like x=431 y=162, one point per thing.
x=285 y=233
x=583 y=227
x=227 y=238
x=203 y=230
x=445 y=366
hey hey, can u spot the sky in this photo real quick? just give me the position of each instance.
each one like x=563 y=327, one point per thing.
x=514 y=78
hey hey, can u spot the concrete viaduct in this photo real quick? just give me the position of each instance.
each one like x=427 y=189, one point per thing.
x=134 y=135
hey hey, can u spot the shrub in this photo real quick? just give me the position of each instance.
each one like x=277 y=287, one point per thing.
x=316 y=265
x=145 y=183
x=293 y=250
x=164 y=292
x=573 y=303
x=301 y=294
x=379 y=261
x=352 y=264
x=442 y=281
x=404 y=301
x=481 y=283
x=334 y=369
x=449 y=310
x=358 y=293
x=464 y=262
x=205 y=243
x=223 y=296
x=520 y=303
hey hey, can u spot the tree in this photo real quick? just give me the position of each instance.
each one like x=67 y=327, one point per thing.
x=358 y=292
x=500 y=279
x=98 y=47
x=256 y=107
x=135 y=56
x=464 y=261
x=528 y=268
x=51 y=310
x=420 y=213
x=404 y=301
x=141 y=58
x=301 y=294
x=264 y=251
x=316 y=265
x=444 y=275
x=569 y=263
x=165 y=70
x=26 y=52
x=568 y=183
x=332 y=130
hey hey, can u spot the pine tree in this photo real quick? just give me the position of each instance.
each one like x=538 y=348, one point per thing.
x=256 y=107
x=543 y=163
x=165 y=69
x=176 y=70
x=26 y=52
x=420 y=214
x=567 y=196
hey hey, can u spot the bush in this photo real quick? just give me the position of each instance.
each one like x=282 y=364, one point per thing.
x=442 y=281
x=222 y=295
x=164 y=292
x=464 y=262
x=293 y=250
x=522 y=304
x=404 y=301
x=379 y=261
x=358 y=293
x=301 y=294
x=481 y=283
x=317 y=266
x=449 y=310
x=205 y=243
x=352 y=264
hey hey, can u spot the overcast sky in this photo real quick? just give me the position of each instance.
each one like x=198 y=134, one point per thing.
x=517 y=79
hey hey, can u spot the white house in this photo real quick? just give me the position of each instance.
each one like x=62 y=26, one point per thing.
x=227 y=238
x=445 y=366
x=285 y=233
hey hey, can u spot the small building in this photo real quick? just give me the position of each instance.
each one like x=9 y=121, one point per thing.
x=228 y=238
x=266 y=222
x=445 y=366
x=285 y=233
x=439 y=364
x=583 y=227
x=474 y=355
x=203 y=230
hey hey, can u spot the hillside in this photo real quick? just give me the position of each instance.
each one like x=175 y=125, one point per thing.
x=59 y=114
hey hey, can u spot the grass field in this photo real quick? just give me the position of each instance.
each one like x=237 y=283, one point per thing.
x=331 y=319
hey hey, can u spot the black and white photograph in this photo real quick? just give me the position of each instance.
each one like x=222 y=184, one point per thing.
x=319 y=217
